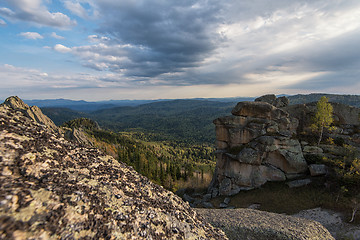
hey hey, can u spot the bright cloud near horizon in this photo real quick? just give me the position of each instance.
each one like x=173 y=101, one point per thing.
x=151 y=49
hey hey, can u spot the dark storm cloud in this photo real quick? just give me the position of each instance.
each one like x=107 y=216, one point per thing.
x=280 y=43
x=168 y=36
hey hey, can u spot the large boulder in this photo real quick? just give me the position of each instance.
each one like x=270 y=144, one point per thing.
x=51 y=188
x=273 y=100
x=258 y=110
x=254 y=146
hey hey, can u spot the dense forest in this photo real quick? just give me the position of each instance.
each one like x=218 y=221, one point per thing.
x=181 y=121
x=170 y=164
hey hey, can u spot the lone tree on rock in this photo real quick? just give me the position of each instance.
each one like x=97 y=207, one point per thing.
x=323 y=117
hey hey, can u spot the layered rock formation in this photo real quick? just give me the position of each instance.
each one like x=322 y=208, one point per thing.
x=259 y=142
x=255 y=145
x=51 y=188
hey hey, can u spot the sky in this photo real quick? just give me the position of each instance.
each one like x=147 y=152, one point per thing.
x=151 y=49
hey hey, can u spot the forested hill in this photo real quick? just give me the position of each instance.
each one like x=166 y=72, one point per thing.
x=177 y=120
x=352 y=100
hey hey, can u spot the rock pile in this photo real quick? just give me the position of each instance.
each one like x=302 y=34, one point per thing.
x=52 y=188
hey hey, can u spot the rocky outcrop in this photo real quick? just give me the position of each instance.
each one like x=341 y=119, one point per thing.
x=346 y=117
x=255 y=145
x=32 y=112
x=258 y=225
x=77 y=135
x=273 y=100
x=51 y=188
x=259 y=142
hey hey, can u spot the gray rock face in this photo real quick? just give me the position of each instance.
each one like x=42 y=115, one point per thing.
x=258 y=225
x=299 y=183
x=51 y=188
x=33 y=112
x=317 y=169
x=254 y=146
x=77 y=136
x=344 y=115
x=273 y=100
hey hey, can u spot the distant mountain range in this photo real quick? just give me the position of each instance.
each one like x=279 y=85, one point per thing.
x=84 y=106
x=187 y=120
x=352 y=100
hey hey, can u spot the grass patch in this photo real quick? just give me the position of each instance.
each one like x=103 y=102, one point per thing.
x=279 y=198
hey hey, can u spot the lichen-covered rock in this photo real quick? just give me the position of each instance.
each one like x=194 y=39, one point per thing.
x=33 y=112
x=253 y=224
x=54 y=189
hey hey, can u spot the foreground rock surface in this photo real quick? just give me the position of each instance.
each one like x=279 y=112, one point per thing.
x=258 y=225
x=54 y=189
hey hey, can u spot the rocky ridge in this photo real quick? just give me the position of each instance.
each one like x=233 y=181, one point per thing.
x=54 y=189
x=259 y=142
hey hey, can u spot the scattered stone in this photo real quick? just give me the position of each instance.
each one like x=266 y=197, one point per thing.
x=230 y=207
x=188 y=198
x=223 y=205
x=254 y=206
x=292 y=176
x=313 y=150
x=206 y=197
x=227 y=200
x=207 y=205
x=317 y=169
x=299 y=183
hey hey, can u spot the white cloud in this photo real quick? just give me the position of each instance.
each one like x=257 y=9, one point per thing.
x=54 y=35
x=76 y=8
x=96 y=38
x=31 y=35
x=36 y=12
x=241 y=47
x=62 y=48
x=2 y=22
x=6 y=12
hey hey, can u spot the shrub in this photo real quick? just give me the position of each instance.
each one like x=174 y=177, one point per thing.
x=339 y=141
x=313 y=158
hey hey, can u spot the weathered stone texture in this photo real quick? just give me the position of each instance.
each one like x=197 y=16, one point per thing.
x=253 y=224
x=255 y=146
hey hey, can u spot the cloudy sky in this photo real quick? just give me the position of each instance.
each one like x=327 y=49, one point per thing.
x=150 y=49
